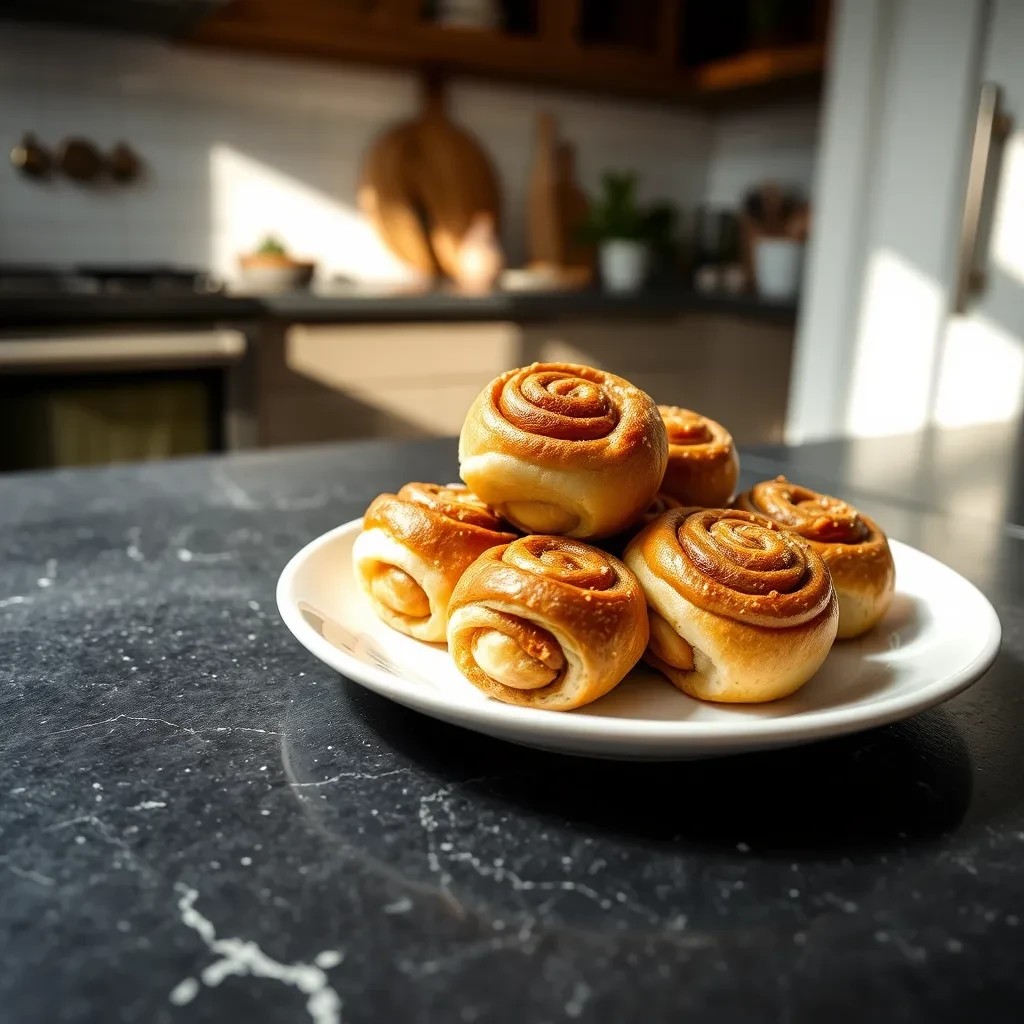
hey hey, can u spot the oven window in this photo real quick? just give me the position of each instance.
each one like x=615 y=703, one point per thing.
x=92 y=420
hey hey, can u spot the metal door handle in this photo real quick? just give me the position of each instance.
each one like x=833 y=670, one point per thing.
x=992 y=125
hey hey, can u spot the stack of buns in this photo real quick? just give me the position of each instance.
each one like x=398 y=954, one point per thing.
x=596 y=528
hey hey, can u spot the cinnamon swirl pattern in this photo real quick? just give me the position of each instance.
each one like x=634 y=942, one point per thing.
x=703 y=466
x=546 y=622
x=740 y=610
x=414 y=548
x=563 y=449
x=853 y=547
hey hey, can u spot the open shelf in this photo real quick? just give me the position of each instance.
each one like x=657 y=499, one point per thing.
x=760 y=67
x=612 y=47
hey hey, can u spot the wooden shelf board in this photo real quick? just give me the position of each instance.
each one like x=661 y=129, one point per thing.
x=760 y=67
x=335 y=33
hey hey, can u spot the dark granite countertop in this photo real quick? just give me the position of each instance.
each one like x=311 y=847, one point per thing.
x=976 y=472
x=34 y=311
x=365 y=306
x=200 y=822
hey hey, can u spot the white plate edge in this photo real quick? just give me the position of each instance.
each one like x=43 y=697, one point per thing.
x=773 y=731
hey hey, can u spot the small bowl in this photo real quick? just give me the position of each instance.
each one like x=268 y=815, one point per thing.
x=270 y=273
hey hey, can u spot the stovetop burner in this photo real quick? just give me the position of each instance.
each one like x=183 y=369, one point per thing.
x=104 y=279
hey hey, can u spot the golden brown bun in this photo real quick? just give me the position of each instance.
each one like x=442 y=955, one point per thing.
x=703 y=466
x=557 y=448
x=414 y=548
x=741 y=611
x=547 y=622
x=851 y=545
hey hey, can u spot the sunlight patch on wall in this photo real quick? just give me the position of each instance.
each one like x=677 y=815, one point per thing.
x=981 y=374
x=1008 y=217
x=250 y=200
x=890 y=386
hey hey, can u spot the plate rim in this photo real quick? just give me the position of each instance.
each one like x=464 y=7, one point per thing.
x=689 y=735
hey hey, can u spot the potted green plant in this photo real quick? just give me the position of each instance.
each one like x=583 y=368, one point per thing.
x=626 y=232
x=271 y=268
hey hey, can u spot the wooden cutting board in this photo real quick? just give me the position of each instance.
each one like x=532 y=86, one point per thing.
x=421 y=185
x=385 y=198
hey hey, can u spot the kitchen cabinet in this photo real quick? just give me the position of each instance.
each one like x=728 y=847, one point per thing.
x=613 y=47
x=381 y=380
x=913 y=312
x=332 y=382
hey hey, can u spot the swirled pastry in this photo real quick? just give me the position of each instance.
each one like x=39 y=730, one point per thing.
x=851 y=545
x=703 y=466
x=740 y=610
x=547 y=622
x=558 y=448
x=414 y=548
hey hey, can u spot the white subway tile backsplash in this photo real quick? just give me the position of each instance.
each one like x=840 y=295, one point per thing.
x=771 y=143
x=237 y=146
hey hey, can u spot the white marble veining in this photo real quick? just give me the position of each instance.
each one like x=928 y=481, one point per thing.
x=244 y=958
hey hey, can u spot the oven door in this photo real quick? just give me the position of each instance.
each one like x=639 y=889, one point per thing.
x=94 y=397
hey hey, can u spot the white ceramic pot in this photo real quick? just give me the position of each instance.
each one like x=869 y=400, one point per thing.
x=777 y=266
x=623 y=265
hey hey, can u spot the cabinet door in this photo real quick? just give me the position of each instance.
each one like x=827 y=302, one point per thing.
x=330 y=383
x=882 y=347
x=981 y=370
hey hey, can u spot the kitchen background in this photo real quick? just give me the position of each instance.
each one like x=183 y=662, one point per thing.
x=819 y=243
x=239 y=146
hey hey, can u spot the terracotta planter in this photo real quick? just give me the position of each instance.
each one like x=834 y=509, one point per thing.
x=273 y=272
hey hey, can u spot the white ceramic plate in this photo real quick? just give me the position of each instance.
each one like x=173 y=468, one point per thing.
x=940 y=635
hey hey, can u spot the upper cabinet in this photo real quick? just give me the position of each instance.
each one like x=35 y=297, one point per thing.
x=696 y=53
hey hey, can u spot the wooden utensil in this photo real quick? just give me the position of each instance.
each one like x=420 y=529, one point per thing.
x=422 y=184
x=573 y=209
x=31 y=158
x=385 y=197
x=123 y=163
x=79 y=159
x=545 y=235
x=453 y=179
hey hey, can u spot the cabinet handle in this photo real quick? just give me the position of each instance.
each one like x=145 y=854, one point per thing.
x=991 y=125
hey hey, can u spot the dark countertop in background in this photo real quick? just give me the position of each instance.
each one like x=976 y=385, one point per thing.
x=972 y=472
x=364 y=306
x=518 y=306
x=201 y=822
x=20 y=312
